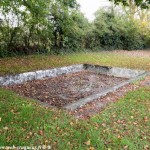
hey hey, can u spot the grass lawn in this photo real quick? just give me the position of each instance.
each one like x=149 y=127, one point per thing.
x=122 y=125
x=35 y=62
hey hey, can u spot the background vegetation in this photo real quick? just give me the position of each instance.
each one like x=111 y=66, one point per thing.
x=49 y=26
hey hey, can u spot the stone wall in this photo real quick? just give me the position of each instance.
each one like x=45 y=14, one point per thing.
x=114 y=71
x=28 y=76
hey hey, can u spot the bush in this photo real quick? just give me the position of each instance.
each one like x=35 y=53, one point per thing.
x=113 y=31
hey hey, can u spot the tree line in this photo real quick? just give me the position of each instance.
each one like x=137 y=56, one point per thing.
x=50 y=26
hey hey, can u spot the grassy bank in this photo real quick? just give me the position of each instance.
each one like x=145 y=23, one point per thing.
x=30 y=63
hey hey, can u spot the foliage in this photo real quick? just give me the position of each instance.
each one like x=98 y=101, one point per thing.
x=141 y=3
x=29 y=26
x=24 y=24
x=39 y=26
x=115 y=31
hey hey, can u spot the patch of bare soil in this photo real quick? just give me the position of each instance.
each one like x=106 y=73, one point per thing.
x=66 y=89
x=98 y=105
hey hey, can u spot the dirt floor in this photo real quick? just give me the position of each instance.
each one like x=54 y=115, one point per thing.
x=95 y=107
x=65 y=89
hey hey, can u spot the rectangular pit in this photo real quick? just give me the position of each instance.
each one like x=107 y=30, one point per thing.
x=70 y=87
x=63 y=90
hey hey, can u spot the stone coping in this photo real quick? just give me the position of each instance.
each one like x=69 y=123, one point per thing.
x=40 y=74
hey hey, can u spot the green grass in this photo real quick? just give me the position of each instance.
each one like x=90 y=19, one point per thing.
x=123 y=125
x=35 y=62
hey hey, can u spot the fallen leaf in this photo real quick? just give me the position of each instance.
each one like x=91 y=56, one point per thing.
x=87 y=143
x=146 y=147
x=5 y=128
x=145 y=119
x=71 y=123
x=104 y=125
x=91 y=148
x=41 y=132
x=119 y=136
x=30 y=133
x=126 y=147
